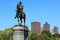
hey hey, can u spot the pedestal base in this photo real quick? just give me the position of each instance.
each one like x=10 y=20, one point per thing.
x=20 y=32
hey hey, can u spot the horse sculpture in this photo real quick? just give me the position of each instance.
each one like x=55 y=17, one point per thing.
x=20 y=14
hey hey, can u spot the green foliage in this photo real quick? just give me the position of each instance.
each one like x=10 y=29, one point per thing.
x=38 y=37
x=44 y=37
x=56 y=35
x=6 y=34
x=47 y=33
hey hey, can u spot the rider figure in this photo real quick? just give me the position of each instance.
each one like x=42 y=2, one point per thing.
x=20 y=6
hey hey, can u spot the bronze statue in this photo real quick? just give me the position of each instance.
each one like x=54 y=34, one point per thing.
x=20 y=14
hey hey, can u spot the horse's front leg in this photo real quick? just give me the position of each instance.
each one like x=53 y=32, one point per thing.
x=21 y=21
x=18 y=20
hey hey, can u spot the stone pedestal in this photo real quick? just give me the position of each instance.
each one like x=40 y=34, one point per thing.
x=20 y=33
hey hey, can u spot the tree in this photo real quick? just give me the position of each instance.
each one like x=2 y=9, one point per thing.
x=47 y=33
x=56 y=35
x=38 y=37
x=6 y=34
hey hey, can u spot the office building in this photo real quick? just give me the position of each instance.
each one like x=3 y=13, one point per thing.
x=46 y=26
x=36 y=27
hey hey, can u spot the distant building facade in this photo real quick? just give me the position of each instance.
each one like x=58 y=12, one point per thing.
x=41 y=29
x=55 y=30
x=46 y=26
x=36 y=27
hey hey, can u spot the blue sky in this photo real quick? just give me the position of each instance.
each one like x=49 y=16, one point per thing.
x=35 y=10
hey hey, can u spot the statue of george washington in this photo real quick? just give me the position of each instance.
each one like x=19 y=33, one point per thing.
x=20 y=14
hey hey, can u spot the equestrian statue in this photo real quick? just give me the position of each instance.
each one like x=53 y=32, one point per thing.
x=20 y=15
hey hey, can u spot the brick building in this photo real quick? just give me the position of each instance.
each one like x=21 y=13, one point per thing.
x=35 y=27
